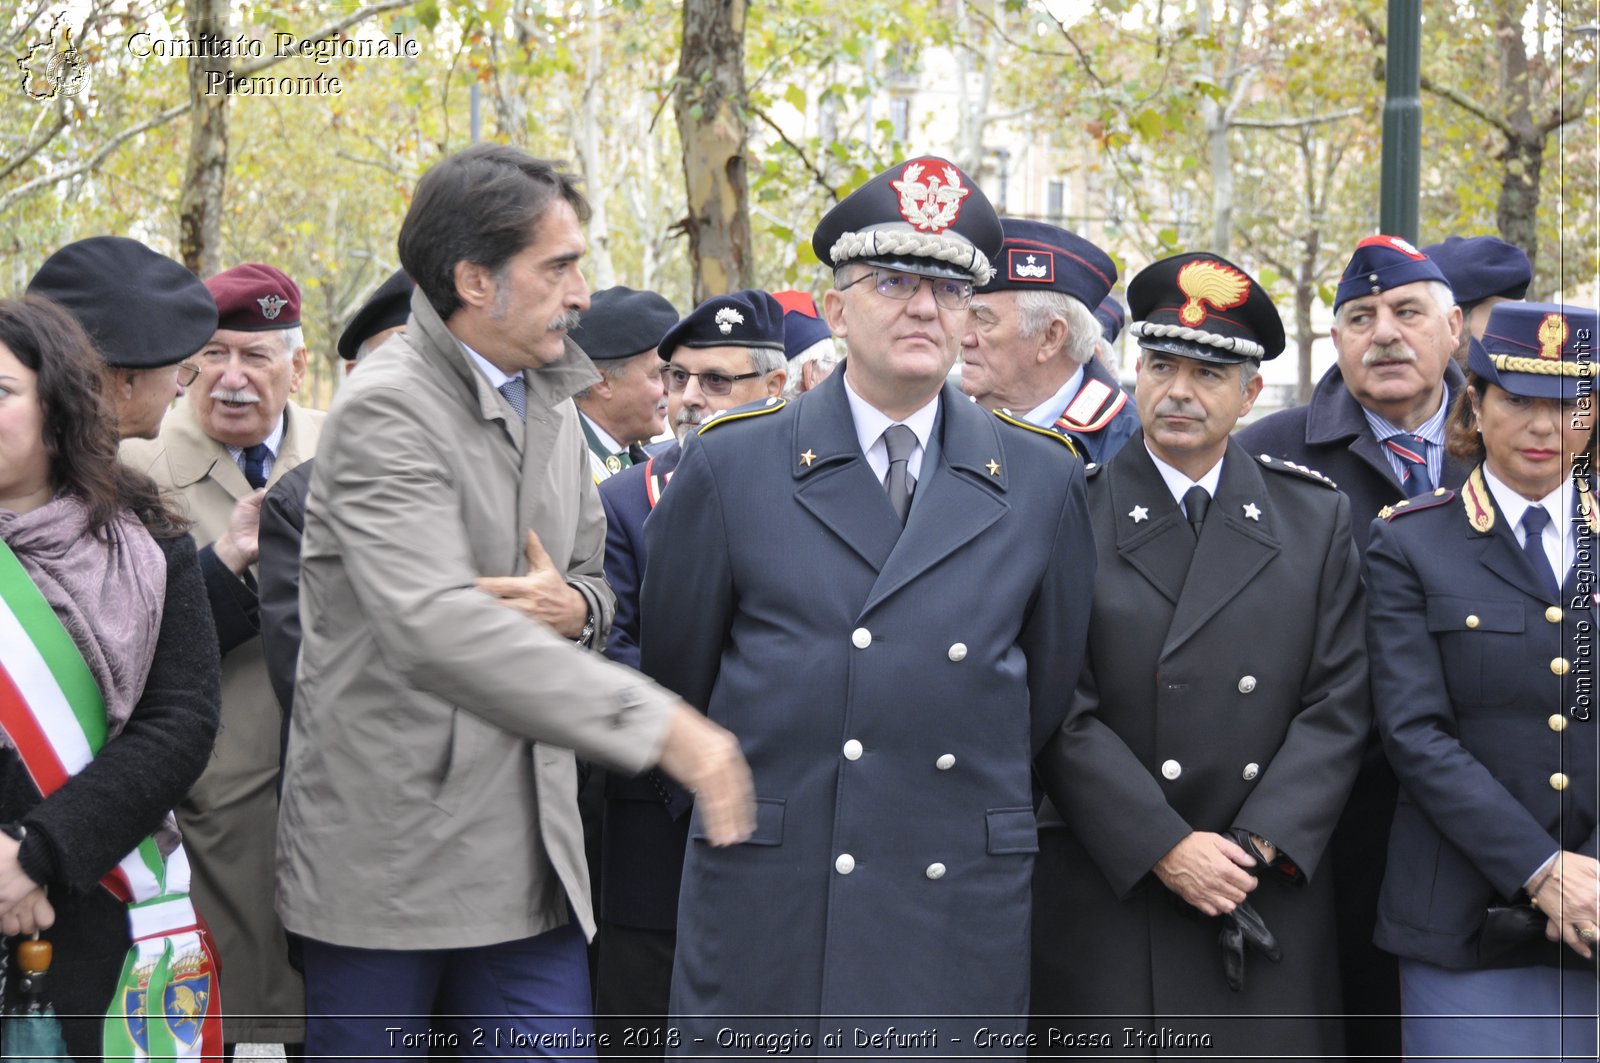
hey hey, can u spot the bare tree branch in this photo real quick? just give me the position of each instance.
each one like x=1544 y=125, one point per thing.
x=1296 y=123
x=1468 y=105
x=34 y=147
x=92 y=162
x=326 y=32
x=1572 y=104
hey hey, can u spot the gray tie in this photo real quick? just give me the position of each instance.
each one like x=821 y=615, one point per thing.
x=515 y=392
x=901 y=441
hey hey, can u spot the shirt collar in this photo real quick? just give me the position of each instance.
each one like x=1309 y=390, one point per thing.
x=601 y=436
x=1431 y=430
x=491 y=371
x=1179 y=483
x=871 y=421
x=1557 y=503
x=274 y=441
x=1050 y=410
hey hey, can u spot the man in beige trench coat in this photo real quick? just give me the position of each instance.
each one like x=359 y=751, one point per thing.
x=429 y=848
x=235 y=433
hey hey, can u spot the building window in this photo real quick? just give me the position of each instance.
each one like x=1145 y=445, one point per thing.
x=900 y=117
x=1056 y=199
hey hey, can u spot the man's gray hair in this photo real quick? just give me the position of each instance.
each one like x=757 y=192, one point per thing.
x=1035 y=311
x=293 y=339
x=1443 y=297
x=1249 y=369
x=765 y=360
x=825 y=353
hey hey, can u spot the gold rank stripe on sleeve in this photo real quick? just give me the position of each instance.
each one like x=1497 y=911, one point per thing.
x=772 y=405
x=1057 y=436
x=1440 y=496
x=1480 y=506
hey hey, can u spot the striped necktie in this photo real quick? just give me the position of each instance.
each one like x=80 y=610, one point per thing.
x=1413 y=452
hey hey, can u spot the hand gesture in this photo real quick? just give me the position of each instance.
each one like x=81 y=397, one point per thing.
x=240 y=544
x=543 y=594
x=1208 y=871
x=1569 y=897
x=706 y=759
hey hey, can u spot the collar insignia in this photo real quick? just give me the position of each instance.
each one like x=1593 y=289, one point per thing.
x=1480 y=506
x=1252 y=511
x=807 y=458
x=1139 y=514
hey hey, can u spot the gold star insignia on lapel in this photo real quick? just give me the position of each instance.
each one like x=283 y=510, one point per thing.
x=807 y=458
x=1139 y=513
x=1252 y=511
x=993 y=467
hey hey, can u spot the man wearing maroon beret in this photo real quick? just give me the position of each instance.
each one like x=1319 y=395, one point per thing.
x=234 y=435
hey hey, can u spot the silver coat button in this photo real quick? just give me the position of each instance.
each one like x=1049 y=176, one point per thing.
x=1251 y=771
x=935 y=871
x=860 y=638
x=852 y=750
x=945 y=762
x=1171 y=769
x=845 y=864
x=958 y=651
x=1247 y=684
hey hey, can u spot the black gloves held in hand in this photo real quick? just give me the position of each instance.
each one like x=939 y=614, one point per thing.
x=1241 y=927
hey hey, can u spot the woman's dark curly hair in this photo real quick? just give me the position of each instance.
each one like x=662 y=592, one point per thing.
x=80 y=428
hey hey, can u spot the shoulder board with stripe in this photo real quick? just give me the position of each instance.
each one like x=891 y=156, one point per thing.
x=1280 y=465
x=741 y=413
x=1047 y=433
x=1091 y=411
x=1440 y=496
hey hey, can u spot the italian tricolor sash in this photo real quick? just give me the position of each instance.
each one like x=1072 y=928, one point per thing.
x=166 y=1006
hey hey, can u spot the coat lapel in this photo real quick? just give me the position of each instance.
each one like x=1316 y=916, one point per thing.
x=1232 y=550
x=1499 y=551
x=836 y=484
x=959 y=497
x=194 y=456
x=1152 y=534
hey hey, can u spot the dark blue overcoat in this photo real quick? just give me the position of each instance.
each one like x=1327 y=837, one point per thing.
x=889 y=689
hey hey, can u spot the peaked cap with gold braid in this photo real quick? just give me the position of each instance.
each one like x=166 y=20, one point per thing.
x=1202 y=306
x=1539 y=350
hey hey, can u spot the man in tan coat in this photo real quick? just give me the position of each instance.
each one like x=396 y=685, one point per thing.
x=235 y=433
x=430 y=850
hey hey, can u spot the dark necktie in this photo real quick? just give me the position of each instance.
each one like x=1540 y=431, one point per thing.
x=1196 y=501
x=515 y=392
x=255 y=465
x=637 y=454
x=1413 y=452
x=901 y=441
x=1533 y=521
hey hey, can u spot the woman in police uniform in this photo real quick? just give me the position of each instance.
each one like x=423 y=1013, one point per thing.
x=1482 y=628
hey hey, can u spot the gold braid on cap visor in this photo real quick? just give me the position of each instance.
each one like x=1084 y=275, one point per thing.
x=1511 y=363
x=954 y=250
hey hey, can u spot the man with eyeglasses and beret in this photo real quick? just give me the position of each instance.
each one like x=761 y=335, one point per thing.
x=1031 y=346
x=1219 y=720
x=929 y=636
x=728 y=352
x=622 y=411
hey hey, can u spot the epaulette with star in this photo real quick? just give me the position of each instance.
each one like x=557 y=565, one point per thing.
x=1047 y=433
x=1281 y=465
x=1439 y=497
x=771 y=404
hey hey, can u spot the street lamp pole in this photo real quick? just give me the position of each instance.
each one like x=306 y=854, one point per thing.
x=1402 y=121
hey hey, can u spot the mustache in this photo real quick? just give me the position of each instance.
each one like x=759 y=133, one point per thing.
x=234 y=395
x=1178 y=408
x=569 y=320
x=1385 y=353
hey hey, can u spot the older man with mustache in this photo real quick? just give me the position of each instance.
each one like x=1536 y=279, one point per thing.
x=1376 y=426
x=236 y=434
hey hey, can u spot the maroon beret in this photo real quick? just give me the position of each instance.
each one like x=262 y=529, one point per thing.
x=254 y=298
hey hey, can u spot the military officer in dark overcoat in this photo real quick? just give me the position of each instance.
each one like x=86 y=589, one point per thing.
x=711 y=358
x=883 y=590
x=1033 y=338
x=1375 y=426
x=1482 y=627
x=1219 y=719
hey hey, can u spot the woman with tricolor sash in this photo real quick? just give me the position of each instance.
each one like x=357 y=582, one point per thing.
x=1482 y=627
x=109 y=698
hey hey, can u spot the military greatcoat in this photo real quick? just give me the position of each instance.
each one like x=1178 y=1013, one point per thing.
x=889 y=688
x=1225 y=686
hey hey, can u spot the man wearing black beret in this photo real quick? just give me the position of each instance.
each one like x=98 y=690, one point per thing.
x=621 y=412
x=1482 y=271
x=1217 y=726
x=881 y=588
x=1033 y=337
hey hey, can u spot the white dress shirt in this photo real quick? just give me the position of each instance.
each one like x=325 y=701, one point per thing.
x=1179 y=483
x=871 y=422
x=1559 y=538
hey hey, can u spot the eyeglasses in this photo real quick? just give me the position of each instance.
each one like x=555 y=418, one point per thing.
x=187 y=374
x=903 y=287
x=711 y=382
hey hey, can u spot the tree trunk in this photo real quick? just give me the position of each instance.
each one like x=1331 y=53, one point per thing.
x=1517 y=214
x=205 y=175
x=589 y=154
x=709 y=105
